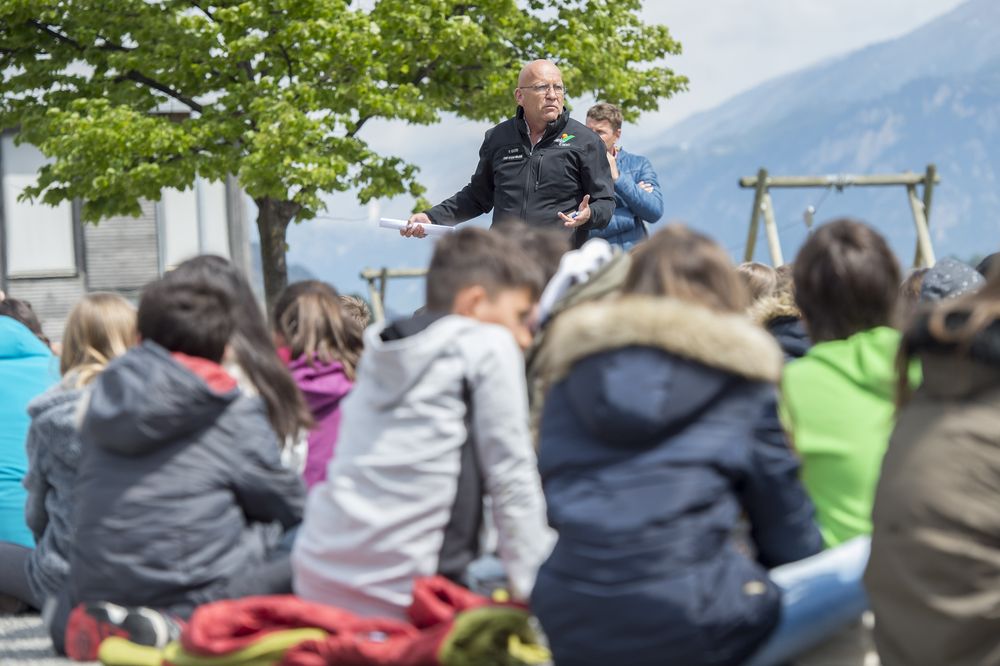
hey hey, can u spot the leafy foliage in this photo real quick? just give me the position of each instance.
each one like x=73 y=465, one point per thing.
x=130 y=96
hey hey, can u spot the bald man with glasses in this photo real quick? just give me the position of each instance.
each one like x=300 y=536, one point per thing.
x=541 y=167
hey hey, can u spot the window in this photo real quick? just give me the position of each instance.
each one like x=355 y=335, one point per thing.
x=194 y=222
x=39 y=237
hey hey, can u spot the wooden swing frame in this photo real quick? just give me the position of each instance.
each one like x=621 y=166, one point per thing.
x=762 y=184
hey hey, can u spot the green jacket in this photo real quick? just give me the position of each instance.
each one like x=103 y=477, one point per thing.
x=838 y=405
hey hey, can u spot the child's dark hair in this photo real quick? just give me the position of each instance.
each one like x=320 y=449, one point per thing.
x=310 y=318
x=846 y=280
x=21 y=310
x=187 y=315
x=474 y=256
x=545 y=246
x=253 y=347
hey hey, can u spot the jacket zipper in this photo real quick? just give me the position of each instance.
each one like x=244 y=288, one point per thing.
x=527 y=180
x=538 y=174
x=527 y=176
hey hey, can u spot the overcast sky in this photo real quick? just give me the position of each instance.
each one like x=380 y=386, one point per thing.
x=729 y=47
x=732 y=45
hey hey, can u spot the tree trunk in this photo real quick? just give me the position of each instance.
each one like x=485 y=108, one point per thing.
x=273 y=218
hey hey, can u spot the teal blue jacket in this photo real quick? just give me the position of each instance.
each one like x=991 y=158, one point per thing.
x=27 y=369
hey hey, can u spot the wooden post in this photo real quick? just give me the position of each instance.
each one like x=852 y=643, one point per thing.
x=758 y=198
x=383 y=285
x=375 y=296
x=925 y=250
x=382 y=277
x=929 y=179
x=771 y=229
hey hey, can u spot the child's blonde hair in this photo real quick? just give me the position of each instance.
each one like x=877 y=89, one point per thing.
x=356 y=309
x=101 y=327
x=678 y=262
x=310 y=317
x=760 y=279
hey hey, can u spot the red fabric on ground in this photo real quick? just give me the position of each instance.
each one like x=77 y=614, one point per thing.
x=437 y=600
x=224 y=627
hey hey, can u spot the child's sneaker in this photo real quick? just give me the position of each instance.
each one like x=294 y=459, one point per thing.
x=89 y=624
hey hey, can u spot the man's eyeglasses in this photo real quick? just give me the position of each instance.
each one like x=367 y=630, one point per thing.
x=543 y=88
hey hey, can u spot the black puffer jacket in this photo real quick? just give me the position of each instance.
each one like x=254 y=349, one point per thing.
x=533 y=184
x=180 y=487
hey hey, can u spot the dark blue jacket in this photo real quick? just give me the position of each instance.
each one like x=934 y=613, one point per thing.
x=791 y=335
x=780 y=316
x=633 y=205
x=660 y=435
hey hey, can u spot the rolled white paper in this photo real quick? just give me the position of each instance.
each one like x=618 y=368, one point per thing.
x=431 y=229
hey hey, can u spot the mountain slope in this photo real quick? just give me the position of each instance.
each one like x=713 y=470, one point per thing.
x=930 y=96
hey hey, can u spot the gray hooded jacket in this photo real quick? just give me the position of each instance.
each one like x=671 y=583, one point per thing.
x=180 y=487
x=380 y=518
x=53 y=449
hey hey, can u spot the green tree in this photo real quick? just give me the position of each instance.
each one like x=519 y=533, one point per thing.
x=277 y=91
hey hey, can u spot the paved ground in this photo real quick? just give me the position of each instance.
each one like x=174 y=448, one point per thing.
x=23 y=642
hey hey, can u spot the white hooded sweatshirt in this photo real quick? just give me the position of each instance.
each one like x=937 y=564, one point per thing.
x=378 y=521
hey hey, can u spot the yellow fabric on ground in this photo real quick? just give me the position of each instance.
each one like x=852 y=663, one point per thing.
x=265 y=652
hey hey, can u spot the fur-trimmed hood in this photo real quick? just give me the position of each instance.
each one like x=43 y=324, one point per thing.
x=727 y=342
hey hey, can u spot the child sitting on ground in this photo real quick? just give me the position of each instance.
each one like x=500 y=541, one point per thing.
x=100 y=327
x=656 y=435
x=838 y=401
x=323 y=346
x=27 y=369
x=253 y=361
x=935 y=559
x=436 y=421
x=781 y=317
x=181 y=498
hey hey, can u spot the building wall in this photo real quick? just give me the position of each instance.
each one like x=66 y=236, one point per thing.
x=48 y=257
x=122 y=253
x=50 y=298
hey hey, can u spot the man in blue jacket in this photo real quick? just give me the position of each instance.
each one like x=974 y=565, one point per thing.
x=638 y=198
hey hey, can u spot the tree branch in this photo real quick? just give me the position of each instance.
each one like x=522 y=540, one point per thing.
x=288 y=62
x=139 y=77
x=357 y=126
x=108 y=45
x=56 y=34
x=203 y=11
x=247 y=68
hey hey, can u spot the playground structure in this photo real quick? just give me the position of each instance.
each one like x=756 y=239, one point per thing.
x=762 y=184
x=378 y=281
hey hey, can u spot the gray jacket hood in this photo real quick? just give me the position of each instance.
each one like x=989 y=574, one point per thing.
x=151 y=399
x=397 y=365
x=56 y=408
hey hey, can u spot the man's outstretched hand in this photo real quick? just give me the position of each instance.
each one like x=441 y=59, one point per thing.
x=581 y=217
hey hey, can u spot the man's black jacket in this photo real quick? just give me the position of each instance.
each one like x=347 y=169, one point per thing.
x=519 y=182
